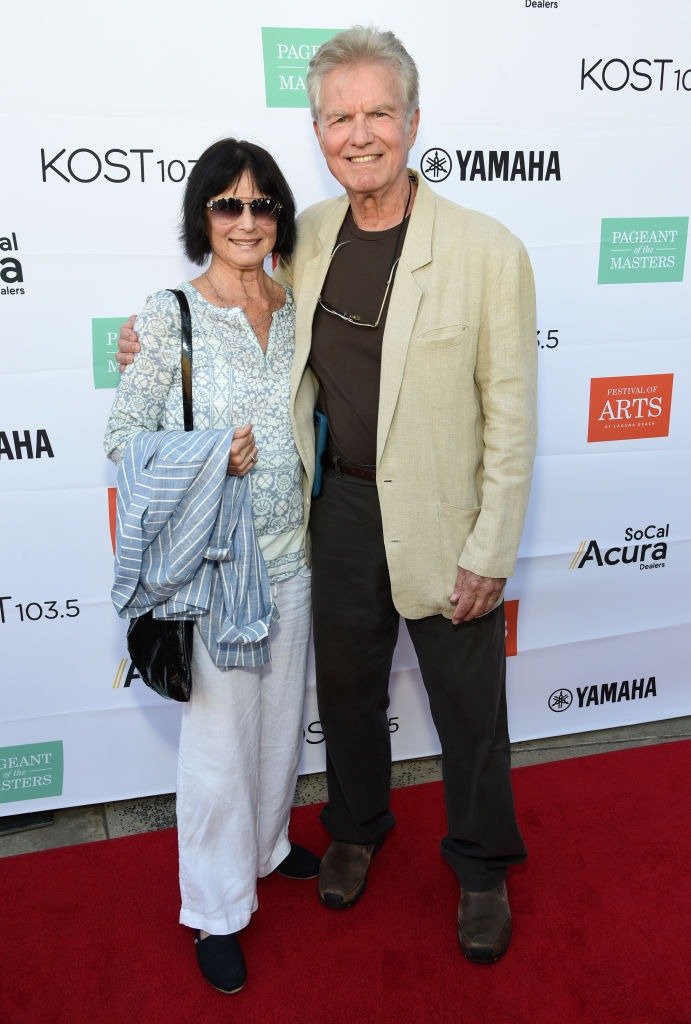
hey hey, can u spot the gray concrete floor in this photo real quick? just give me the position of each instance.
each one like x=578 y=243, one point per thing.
x=75 y=825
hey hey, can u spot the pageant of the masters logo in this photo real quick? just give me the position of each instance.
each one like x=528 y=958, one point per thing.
x=31 y=771
x=287 y=52
x=104 y=340
x=642 y=250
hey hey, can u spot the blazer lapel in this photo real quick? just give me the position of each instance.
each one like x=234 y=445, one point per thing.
x=403 y=308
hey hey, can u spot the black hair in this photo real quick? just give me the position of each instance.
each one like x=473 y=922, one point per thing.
x=221 y=166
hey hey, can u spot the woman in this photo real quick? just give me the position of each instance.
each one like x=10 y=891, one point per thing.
x=241 y=731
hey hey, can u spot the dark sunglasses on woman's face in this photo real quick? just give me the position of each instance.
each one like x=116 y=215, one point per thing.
x=232 y=208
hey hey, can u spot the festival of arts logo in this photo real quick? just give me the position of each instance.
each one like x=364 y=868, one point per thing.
x=623 y=408
x=112 y=513
x=511 y=630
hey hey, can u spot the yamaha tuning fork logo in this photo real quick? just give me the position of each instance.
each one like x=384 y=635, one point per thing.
x=436 y=164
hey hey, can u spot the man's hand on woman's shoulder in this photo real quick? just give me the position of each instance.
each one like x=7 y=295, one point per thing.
x=128 y=344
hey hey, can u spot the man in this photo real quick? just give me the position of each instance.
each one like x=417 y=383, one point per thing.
x=416 y=336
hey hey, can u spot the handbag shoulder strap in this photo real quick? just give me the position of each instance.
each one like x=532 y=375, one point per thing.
x=185 y=356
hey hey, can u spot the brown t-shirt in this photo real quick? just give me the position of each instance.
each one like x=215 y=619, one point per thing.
x=346 y=358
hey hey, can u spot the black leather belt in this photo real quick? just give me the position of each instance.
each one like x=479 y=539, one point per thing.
x=338 y=464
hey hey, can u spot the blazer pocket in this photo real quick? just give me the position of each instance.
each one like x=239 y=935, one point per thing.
x=446 y=337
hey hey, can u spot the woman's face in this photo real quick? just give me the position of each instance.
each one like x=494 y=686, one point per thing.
x=242 y=242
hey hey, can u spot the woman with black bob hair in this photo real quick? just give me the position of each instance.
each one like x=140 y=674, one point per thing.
x=226 y=161
x=241 y=731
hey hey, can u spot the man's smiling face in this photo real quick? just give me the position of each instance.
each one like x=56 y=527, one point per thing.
x=362 y=128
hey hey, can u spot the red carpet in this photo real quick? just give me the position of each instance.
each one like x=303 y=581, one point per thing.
x=601 y=917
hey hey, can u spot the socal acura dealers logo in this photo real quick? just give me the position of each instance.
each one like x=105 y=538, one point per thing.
x=11 y=271
x=645 y=547
x=124 y=674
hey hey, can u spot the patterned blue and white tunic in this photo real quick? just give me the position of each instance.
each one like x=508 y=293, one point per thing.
x=233 y=382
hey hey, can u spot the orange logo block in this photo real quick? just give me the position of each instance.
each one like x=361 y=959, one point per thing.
x=511 y=613
x=112 y=496
x=622 y=408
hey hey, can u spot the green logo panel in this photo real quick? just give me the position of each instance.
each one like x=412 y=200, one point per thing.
x=287 y=52
x=104 y=337
x=642 y=250
x=31 y=771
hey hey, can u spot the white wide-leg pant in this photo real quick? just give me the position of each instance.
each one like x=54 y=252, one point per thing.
x=238 y=760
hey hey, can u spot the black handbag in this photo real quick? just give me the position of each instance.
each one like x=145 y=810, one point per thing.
x=161 y=649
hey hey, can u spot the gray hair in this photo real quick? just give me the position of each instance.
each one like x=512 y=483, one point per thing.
x=360 y=45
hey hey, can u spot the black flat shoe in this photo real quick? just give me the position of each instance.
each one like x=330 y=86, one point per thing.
x=299 y=863
x=221 y=961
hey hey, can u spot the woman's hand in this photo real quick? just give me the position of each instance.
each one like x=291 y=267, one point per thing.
x=243 y=451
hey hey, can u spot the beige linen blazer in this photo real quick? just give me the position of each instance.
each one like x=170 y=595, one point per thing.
x=456 y=423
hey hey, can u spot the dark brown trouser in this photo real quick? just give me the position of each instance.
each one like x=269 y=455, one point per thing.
x=463 y=669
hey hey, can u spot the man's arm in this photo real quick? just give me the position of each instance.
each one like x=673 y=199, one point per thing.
x=505 y=376
x=128 y=344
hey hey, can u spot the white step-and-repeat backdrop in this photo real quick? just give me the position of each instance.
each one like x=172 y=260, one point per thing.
x=568 y=120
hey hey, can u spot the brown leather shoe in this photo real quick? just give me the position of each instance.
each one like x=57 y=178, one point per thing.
x=484 y=924
x=343 y=873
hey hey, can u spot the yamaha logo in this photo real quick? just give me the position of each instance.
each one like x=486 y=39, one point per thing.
x=597 y=694
x=25 y=444
x=436 y=164
x=493 y=165
x=560 y=700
